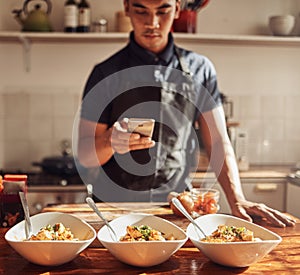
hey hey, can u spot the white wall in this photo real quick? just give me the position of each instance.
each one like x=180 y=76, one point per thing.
x=37 y=108
x=219 y=16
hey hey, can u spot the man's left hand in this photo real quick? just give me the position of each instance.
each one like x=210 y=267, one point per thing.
x=248 y=210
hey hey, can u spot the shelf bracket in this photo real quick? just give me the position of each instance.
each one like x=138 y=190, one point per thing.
x=26 y=52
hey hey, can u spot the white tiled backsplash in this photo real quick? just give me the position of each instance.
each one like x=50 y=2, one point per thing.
x=263 y=81
x=273 y=127
x=32 y=125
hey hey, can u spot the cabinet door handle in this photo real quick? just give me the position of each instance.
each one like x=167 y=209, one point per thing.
x=266 y=187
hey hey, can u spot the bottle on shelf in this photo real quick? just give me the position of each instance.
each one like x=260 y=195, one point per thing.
x=84 y=16
x=70 y=16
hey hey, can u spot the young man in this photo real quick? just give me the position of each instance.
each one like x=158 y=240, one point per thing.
x=153 y=78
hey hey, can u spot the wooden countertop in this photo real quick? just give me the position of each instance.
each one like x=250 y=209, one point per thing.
x=284 y=259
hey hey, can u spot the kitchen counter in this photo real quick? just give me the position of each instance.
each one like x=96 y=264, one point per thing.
x=254 y=172
x=284 y=259
x=260 y=183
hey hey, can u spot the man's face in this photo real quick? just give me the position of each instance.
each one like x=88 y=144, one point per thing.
x=152 y=21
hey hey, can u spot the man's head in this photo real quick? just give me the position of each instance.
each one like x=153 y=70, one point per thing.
x=152 y=21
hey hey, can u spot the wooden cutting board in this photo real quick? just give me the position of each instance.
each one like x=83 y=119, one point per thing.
x=113 y=210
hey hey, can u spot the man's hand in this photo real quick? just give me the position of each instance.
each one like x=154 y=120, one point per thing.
x=122 y=141
x=248 y=210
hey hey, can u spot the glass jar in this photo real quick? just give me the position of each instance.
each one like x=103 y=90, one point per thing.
x=11 y=210
x=100 y=25
x=206 y=201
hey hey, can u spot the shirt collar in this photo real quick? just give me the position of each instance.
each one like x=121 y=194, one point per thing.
x=149 y=58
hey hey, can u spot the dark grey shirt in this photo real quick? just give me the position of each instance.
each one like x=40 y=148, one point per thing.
x=129 y=84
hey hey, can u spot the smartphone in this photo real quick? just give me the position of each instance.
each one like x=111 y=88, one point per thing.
x=142 y=126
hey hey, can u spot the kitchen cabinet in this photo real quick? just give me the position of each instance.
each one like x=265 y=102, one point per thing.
x=267 y=191
x=292 y=201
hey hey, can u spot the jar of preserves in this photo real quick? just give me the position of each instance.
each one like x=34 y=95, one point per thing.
x=206 y=201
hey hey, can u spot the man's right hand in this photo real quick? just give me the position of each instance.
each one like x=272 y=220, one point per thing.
x=122 y=141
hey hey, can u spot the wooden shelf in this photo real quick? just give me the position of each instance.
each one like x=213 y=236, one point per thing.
x=60 y=37
x=239 y=40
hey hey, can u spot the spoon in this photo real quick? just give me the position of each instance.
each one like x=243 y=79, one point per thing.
x=181 y=208
x=28 y=225
x=93 y=205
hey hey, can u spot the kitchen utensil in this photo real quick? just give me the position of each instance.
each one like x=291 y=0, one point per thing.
x=93 y=205
x=64 y=165
x=28 y=225
x=180 y=207
x=58 y=165
x=36 y=20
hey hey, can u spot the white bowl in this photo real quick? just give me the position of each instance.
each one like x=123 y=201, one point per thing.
x=234 y=254
x=143 y=254
x=51 y=253
x=282 y=25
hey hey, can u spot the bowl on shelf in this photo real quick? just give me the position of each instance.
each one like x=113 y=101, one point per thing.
x=282 y=25
x=51 y=252
x=142 y=253
x=233 y=254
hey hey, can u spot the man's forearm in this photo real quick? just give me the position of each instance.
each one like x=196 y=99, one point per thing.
x=225 y=167
x=95 y=151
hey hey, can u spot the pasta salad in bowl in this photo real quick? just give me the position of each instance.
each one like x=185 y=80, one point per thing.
x=57 y=238
x=231 y=241
x=143 y=239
